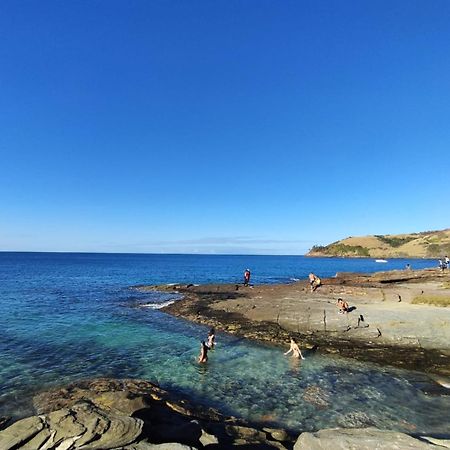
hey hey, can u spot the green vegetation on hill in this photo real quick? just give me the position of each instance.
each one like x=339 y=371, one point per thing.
x=395 y=241
x=342 y=250
x=437 y=250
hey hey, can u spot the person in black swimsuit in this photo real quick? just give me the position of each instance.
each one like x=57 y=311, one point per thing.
x=203 y=353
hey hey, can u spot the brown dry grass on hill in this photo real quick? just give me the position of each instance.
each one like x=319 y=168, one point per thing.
x=414 y=245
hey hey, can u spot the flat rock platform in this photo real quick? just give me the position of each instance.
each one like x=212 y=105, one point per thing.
x=383 y=325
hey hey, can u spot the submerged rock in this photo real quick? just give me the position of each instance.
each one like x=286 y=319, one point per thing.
x=316 y=396
x=277 y=433
x=356 y=419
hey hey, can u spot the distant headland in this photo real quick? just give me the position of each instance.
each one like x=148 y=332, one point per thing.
x=427 y=244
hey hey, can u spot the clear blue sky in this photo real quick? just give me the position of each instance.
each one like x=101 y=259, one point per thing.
x=221 y=126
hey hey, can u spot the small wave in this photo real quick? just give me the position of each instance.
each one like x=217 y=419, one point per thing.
x=294 y=279
x=158 y=305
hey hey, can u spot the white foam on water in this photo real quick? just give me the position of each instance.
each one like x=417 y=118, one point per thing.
x=158 y=305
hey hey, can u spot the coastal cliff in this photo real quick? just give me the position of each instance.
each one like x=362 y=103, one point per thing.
x=428 y=244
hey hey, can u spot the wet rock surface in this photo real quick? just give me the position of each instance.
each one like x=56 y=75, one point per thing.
x=382 y=326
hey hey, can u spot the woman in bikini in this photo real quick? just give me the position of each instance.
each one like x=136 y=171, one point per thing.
x=295 y=349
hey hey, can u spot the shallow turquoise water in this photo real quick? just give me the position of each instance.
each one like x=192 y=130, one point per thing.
x=66 y=317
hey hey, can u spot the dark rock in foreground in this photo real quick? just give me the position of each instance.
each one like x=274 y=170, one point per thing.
x=107 y=414
x=130 y=415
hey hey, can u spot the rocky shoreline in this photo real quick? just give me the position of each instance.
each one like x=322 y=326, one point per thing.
x=105 y=414
x=383 y=325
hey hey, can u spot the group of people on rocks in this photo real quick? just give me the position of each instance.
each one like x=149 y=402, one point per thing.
x=444 y=263
x=210 y=342
x=314 y=282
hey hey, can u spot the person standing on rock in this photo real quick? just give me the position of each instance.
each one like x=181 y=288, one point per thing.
x=247 y=275
x=203 y=353
x=295 y=349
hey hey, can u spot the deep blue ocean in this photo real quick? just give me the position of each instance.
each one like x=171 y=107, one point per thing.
x=70 y=316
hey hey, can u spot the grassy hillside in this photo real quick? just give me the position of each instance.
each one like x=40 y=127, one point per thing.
x=428 y=244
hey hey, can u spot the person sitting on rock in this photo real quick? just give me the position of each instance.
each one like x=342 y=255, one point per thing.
x=314 y=281
x=343 y=306
x=295 y=349
x=203 y=353
x=211 y=341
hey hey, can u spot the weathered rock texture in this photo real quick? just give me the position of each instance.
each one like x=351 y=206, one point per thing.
x=130 y=415
x=361 y=439
x=86 y=416
x=83 y=426
x=383 y=325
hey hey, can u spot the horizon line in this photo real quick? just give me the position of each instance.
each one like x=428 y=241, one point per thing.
x=146 y=253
